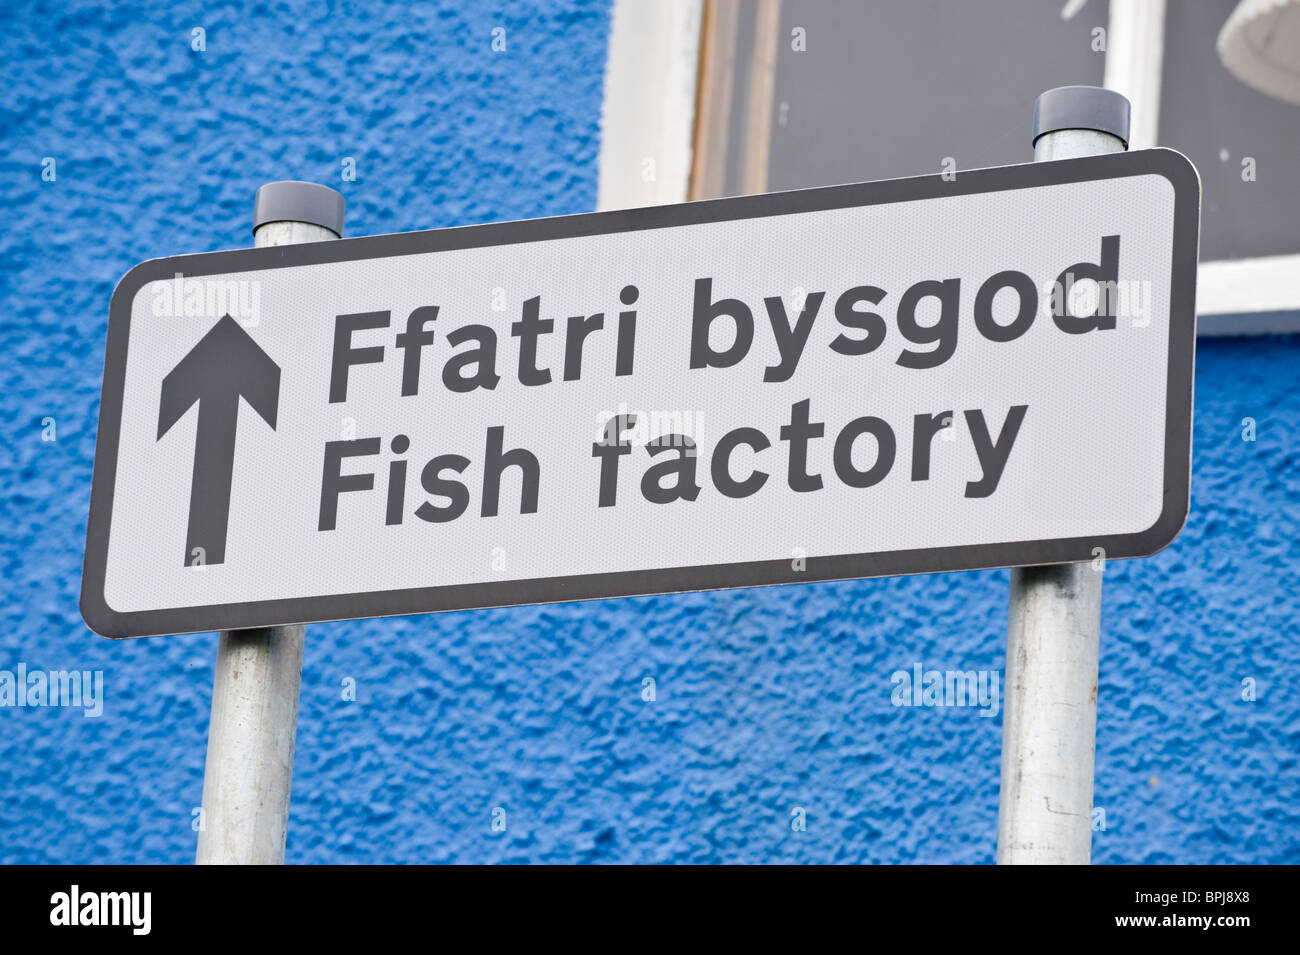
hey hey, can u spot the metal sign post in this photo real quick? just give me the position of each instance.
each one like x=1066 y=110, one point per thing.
x=1054 y=622
x=249 y=769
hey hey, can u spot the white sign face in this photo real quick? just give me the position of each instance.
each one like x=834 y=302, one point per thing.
x=897 y=377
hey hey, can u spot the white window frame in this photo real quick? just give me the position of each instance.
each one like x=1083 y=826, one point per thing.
x=1233 y=296
x=651 y=80
x=648 y=115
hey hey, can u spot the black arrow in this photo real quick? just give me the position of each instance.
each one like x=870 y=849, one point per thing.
x=225 y=365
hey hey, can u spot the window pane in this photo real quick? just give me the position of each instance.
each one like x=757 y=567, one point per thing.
x=892 y=87
x=1218 y=121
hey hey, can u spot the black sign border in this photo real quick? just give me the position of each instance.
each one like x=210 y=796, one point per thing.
x=1172 y=165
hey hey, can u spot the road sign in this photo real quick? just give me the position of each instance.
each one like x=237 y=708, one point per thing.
x=974 y=369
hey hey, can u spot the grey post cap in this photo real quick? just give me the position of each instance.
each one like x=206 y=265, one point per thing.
x=293 y=201
x=1081 y=107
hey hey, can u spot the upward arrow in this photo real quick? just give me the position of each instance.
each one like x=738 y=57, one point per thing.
x=225 y=365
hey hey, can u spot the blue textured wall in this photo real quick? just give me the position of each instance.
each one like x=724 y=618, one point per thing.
x=767 y=699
